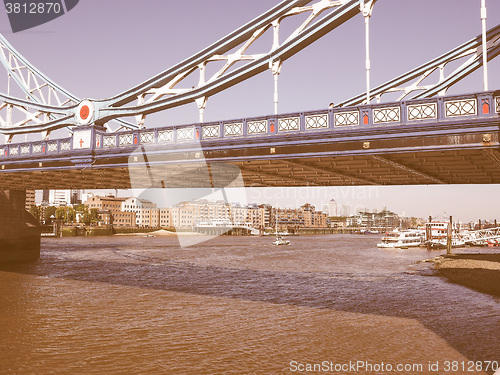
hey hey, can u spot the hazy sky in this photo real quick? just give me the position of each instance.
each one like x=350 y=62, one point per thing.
x=103 y=47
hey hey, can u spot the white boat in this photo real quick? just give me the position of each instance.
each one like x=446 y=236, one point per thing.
x=216 y=223
x=437 y=235
x=402 y=239
x=442 y=243
x=281 y=241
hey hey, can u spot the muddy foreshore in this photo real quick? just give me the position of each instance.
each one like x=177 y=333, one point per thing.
x=480 y=272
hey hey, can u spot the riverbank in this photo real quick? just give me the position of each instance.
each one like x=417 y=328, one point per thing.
x=480 y=272
x=160 y=232
x=77 y=231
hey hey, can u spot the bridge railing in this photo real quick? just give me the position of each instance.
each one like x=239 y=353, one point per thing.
x=405 y=113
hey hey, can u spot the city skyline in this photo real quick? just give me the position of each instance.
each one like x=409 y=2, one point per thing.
x=93 y=57
x=363 y=202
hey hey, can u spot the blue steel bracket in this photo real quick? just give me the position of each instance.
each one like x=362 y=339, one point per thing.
x=83 y=161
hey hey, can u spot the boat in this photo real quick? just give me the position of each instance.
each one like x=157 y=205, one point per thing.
x=281 y=241
x=436 y=234
x=442 y=243
x=402 y=239
x=221 y=226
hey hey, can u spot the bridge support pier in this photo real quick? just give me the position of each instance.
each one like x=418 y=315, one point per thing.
x=19 y=230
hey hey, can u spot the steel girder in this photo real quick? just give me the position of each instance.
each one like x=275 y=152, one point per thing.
x=401 y=84
x=65 y=110
x=150 y=95
x=46 y=106
x=57 y=108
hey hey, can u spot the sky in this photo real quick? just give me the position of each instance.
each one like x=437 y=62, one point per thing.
x=103 y=47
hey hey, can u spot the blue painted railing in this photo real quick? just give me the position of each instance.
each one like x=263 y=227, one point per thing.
x=411 y=112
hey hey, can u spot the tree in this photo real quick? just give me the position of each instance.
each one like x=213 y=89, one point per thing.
x=35 y=211
x=86 y=219
x=90 y=217
x=49 y=211
x=61 y=213
x=70 y=215
x=80 y=207
x=94 y=215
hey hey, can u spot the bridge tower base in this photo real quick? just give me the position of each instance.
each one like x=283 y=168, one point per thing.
x=19 y=230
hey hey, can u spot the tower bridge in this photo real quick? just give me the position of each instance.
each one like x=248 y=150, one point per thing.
x=445 y=140
x=424 y=137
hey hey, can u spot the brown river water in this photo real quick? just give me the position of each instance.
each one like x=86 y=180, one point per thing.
x=332 y=304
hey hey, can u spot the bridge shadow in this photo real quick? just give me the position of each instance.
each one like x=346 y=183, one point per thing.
x=450 y=315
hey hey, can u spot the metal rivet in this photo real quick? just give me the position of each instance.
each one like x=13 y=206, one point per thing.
x=272 y=150
x=486 y=138
x=366 y=145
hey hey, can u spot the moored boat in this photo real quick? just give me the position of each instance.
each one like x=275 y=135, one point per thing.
x=402 y=239
x=442 y=243
x=436 y=235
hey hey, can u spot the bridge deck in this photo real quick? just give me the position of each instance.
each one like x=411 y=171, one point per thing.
x=446 y=140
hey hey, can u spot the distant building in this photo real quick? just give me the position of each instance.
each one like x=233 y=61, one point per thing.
x=313 y=218
x=338 y=222
x=30 y=199
x=267 y=212
x=76 y=197
x=304 y=217
x=133 y=211
x=382 y=219
x=345 y=210
x=59 y=197
x=146 y=212
x=117 y=218
x=110 y=210
x=62 y=197
x=45 y=196
x=255 y=216
x=165 y=218
x=108 y=203
x=331 y=208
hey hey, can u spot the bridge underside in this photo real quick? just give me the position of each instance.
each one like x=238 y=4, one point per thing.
x=438 y=153
x=470 y=166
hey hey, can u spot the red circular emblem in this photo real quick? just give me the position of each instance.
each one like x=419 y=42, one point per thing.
x=84 y=112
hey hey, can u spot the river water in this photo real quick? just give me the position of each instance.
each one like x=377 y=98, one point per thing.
x=238 y=305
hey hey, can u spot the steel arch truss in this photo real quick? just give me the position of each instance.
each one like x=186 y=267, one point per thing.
x=57 y=108
x=32 y=103
x=164 y=91
x=44 y=103
x=411 y=83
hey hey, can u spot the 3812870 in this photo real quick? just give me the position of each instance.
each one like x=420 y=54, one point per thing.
x=33 y=8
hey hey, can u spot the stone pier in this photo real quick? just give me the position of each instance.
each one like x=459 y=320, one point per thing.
x=19 y=230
